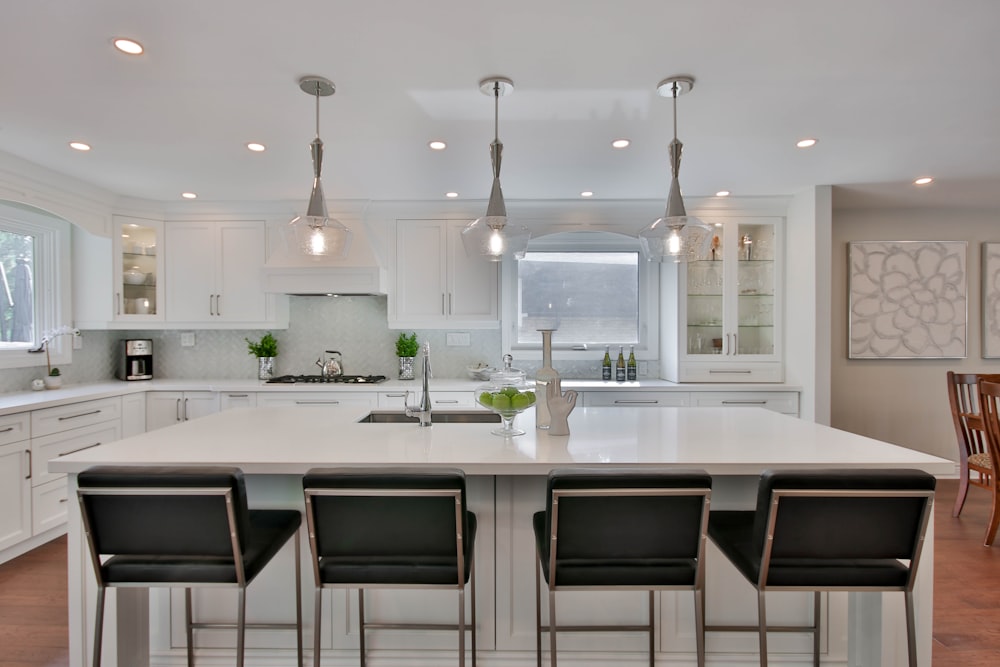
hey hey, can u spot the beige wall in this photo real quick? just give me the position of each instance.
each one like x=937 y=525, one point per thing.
x=904 y=401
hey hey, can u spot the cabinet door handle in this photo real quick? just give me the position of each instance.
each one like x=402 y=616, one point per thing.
x=735 y=346
x=218 y=305
x=28 y=452
x=744 y=402
x=652 y=401
x=177 y=410
x=6 y=430
x=118 y=303
x=80 y=449
x=721 y=371
x=82 y=414
x=211 y=305
x=443 y=311
x=450 y=307
x=186 y=410
x=317 y=402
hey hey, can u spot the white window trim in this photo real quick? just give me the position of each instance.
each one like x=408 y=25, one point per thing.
x=649 y=295
x=51 y=275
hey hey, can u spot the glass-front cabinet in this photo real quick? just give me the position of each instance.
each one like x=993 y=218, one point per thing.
x=726 y=320
x=138 y=269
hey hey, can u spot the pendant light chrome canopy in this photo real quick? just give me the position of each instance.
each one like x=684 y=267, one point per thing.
x=676 y=236
x=315 y=233
x=492 y=236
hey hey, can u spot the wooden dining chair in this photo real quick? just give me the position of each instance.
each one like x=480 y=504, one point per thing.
x=989 y=401
x=975 y=464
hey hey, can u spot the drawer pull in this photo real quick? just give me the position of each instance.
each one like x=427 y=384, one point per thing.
x=28 y=452
x=238 y=395
x=725 y=372
x=6 y=430
x=82 y=414
x=80 y=449
x=63 y=500
x=651 y=401
x=744 y=402
x=317 y=402
x=403 y=395
x=449 y=401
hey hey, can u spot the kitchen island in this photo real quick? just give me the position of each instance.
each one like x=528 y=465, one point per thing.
x=275 y=446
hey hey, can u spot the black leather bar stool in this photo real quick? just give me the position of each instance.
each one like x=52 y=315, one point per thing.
x=157 y=527
x=829 y=530
x=391 y=528
x=623 y=530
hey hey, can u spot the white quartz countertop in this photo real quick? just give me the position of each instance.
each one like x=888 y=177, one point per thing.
x=33 y=400
x=289 y=440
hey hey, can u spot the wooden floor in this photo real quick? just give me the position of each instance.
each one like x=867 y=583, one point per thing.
x=966 y=594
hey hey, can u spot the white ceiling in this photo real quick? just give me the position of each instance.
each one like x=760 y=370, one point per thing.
x=893 y=90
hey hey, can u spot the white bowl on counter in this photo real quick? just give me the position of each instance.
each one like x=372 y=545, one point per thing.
x=481 y=373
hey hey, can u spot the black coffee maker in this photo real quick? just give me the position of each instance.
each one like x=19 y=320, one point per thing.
x=136 y=360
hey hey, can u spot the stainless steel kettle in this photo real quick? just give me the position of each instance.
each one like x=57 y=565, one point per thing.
x=331 y=367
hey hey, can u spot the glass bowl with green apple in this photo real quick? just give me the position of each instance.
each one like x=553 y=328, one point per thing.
x=507 y=394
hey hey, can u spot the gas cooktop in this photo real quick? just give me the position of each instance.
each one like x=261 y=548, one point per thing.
x=316 y=379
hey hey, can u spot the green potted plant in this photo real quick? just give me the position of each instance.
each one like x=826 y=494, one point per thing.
x=54 y=379
x=406 y=350
x=266 y=349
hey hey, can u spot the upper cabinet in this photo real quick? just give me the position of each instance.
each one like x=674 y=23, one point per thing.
x=722 y=315
x=137 y=249
x=436 y=284
x=213 y=272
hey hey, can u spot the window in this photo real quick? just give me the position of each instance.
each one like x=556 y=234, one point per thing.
x=594 y=289
x=34 y=287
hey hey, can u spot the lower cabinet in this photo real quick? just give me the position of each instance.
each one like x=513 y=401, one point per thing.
x=637 y=399
x=49 y=504
x=785 y=402
x=237 y=399
x=15 y=493
x=166 y=408
x=440 y=400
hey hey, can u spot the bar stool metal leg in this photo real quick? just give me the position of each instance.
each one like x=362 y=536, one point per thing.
x=552 y=627
x=241 y=626
x=99 y=625
x=762 y=629
x=472 y=594
x=361 y=623
x=538 y=612
x=911 y=629
x=699 y=621
x=188 y=627
x=317 y=613
x=298 y=599
x=816 y=613
x=651 y=637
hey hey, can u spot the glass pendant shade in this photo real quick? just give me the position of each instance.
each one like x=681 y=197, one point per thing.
x=316 y=233
x=676 y=236
x=492 y=236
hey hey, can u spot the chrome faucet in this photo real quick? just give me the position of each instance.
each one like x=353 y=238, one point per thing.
x=422 y=411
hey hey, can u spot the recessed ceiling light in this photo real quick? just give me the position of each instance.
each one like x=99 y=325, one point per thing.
x=79 y=146
x=451 y=195
x=722 y=193
x=926 y=180
x=805 y=143
x=256 y=148
x=129 y=46
x=437 y=145
x=620 y=143
x=189 y=195
x=586 y=193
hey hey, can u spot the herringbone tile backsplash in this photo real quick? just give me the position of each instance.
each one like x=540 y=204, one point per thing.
x=356 y=326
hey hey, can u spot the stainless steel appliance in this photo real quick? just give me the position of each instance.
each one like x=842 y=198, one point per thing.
x=136 y=360
x=320 y=379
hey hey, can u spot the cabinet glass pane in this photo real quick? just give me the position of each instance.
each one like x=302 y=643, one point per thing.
x=139 y=246
x=755 y=290
x=705 y=289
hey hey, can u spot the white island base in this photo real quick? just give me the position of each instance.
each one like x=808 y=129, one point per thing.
x=506 y=484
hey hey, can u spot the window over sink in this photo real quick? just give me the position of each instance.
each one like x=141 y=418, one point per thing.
x=593 y=288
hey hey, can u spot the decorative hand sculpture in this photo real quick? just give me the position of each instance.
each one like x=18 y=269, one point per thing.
x=560 y=405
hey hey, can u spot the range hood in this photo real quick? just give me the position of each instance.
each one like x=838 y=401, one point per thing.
x=288 y=271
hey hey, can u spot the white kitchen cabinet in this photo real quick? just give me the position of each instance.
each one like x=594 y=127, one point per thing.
x=213 y=272
x=785 y=402
x=137 y=247
x=47 y=447
x=636 y=399
x=440 y=400
x=721 y=317
x=165 y=408
x=436 y=284
x=49 y=505
x=237 y=399
x=15 y=492
x=318 y=399
x=133 y=414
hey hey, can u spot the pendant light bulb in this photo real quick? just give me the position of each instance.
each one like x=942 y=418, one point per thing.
x=676 y=236
x=492 y=236
x=316 y=234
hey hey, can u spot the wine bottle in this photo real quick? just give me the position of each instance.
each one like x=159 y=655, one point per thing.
x=620 y=366
x=606 y=364
x=631 y=369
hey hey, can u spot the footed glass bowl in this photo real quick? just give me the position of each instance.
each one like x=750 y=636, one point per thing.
x=508 y=395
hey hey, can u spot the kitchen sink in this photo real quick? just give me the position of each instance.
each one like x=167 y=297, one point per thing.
x=399 y=417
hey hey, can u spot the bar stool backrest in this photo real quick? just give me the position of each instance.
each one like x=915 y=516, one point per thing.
x=842 y=514
x=163 y=511
x=596 y=518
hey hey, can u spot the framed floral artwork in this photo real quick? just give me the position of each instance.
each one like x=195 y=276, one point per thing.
x=991 y=300
x=908 y=300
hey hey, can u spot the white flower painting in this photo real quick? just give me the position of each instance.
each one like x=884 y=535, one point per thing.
x=908 y=300
x=991 y=300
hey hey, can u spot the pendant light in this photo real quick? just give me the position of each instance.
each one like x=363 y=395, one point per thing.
x=315 y=233
x=676 y=236
x=492 y=236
